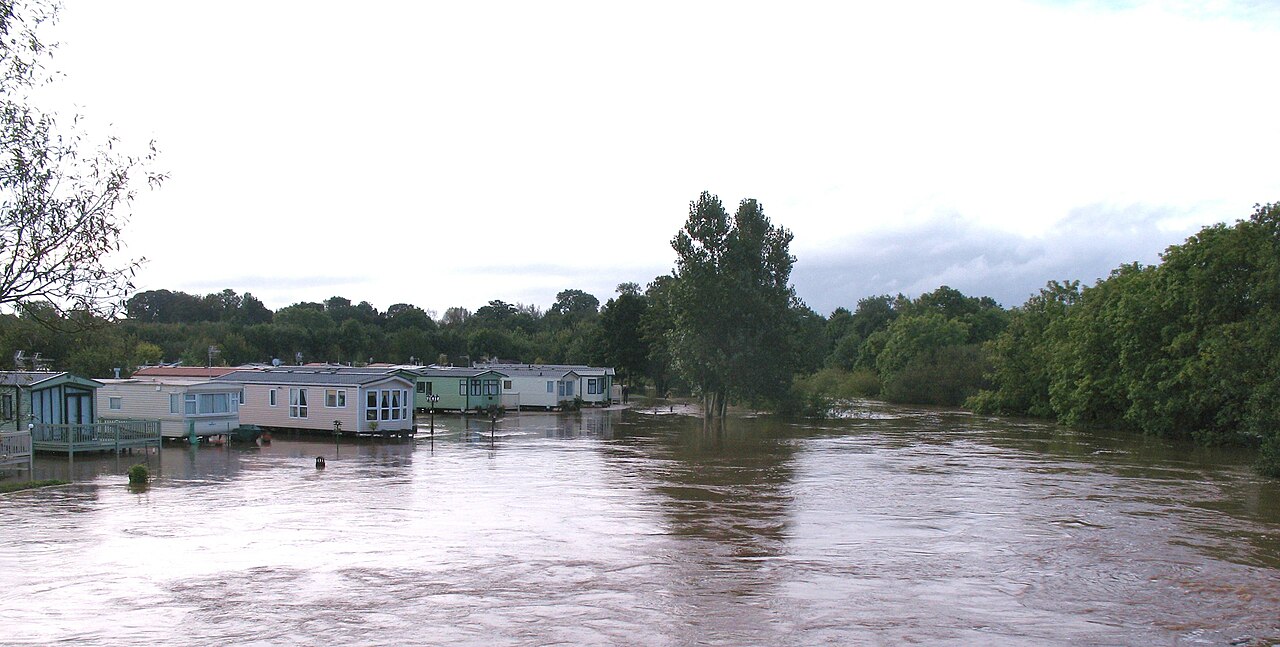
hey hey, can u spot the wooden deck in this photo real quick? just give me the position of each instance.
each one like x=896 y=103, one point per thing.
x=16 y=451
x=116 y=436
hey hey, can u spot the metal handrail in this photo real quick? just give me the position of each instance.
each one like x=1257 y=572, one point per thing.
x=17 y=450
x=99 y=435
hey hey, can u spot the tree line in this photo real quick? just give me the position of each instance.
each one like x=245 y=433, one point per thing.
x=1186 y=348
x=1189 y=347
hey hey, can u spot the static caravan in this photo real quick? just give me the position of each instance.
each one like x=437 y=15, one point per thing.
x=594 y=385
x=28 y=397
x=184 y=406
x=359 y=401
x=456 y=389
x=540 y=387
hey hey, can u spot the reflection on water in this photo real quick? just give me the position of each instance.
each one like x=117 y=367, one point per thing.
x=626 y=527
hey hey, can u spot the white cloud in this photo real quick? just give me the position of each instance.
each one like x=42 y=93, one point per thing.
x=440 y=140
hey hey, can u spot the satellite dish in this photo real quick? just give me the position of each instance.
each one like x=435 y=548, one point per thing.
x=275 y=361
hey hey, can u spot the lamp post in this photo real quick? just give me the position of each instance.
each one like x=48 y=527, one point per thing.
x=433 y=399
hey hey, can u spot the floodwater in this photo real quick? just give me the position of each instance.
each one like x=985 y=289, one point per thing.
x=889 y=526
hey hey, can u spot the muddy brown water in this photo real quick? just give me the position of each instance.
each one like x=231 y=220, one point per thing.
x=888 y=526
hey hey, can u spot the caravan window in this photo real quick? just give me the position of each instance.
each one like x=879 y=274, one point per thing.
x=297 y=403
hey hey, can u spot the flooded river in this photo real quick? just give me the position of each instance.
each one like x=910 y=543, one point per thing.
x=890 y=526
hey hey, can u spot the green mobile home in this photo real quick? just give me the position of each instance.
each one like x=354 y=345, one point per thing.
x=39 y=397
x=457 y=389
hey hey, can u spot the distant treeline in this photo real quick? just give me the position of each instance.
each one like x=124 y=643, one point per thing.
x=1187 y=348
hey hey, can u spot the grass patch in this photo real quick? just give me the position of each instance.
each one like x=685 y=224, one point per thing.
x=27 y=485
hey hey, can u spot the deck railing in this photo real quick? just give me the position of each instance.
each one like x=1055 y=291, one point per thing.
x=16 y=450
x=114 y=435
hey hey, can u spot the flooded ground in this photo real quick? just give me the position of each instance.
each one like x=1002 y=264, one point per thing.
x=889 y=526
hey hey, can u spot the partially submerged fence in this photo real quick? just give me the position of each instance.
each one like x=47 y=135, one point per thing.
x=117 y=436
x=16 y=451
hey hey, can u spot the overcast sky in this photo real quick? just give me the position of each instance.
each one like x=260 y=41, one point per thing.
x=447 y=154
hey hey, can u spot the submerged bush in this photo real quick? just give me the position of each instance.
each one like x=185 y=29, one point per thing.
x=813 y=396
x=947 y=378
x=138 y=475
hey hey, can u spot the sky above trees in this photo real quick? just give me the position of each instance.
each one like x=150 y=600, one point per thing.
x=449 y=154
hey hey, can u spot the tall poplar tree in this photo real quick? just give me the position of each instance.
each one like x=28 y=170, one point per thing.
x=734 y=317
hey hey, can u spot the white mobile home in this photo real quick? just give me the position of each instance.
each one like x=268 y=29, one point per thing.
x=360 y=400
x=541 y=387
x=184 y=406
x=592 y=384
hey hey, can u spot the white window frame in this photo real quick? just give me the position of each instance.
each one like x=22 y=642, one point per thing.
x=115 y=403
x=271 y=397
x=387 y=404
x=298 y=402
x=335 y=398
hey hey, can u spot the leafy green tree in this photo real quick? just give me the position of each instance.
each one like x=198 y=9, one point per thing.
x=353 y=341
x=656 y=329
x=251 y=311
x=496 y=314
x=223 y=305
x=1021 y=356
x=624 y=345
x=494 y=343
x=1087 y=385
x=411 y=344
x=851 y=332
x=732 y=303
x=146 y=353
x=455 y=316
x=403 y=316
x=164 y=306
x=585 y=344
x=63 y=203
x=946 y=377
x=809 y=338
x=919 y=336
x=572 y=306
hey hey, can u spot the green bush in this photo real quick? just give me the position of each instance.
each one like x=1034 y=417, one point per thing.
x=138 y=475
x=839 y=384
x=948 y=378
x=813 y=396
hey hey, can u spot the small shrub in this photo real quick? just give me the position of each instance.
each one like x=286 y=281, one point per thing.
x=138 y=475
x=1269 y=456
